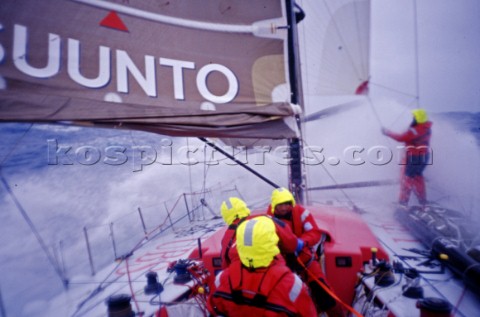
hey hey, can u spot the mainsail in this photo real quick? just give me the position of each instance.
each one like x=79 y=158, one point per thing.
x=180 y=68
x=216 y=69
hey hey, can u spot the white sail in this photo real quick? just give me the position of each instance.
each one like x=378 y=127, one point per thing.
x=335 y=47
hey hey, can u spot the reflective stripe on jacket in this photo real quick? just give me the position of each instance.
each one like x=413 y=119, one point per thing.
x=416 y=138
x=229 y=253
x=272 y=291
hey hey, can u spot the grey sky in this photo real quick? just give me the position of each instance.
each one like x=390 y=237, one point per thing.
x=448 y=46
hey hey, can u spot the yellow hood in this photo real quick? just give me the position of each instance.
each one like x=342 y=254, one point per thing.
x=257 y=242
x=280 y=196
x=420 y=115
x=234 y=208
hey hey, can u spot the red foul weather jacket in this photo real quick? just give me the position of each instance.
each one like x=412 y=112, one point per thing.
x=287 y=240
x=273 y=291
x=303 y=226
x=416 y=138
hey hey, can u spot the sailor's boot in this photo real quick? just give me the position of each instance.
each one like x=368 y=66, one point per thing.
x=405 y=190
x=420 y=190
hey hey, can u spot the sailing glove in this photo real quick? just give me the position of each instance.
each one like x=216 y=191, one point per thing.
x=300 y=244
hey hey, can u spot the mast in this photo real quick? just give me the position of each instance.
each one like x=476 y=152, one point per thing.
x=297 y=182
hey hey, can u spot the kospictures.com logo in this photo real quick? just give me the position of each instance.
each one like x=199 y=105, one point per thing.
x=166 y=154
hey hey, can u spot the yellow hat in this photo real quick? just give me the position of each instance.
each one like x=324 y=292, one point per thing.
x=420 y=115
x=234 y=208
x=257 y=242
x=280 y=196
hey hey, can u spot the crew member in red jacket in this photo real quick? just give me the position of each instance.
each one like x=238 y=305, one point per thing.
x=304 y=226
x=417 y=141
x=260 y=284
x=234 y=211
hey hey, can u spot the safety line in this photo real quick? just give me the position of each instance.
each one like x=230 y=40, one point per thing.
x=329 y=291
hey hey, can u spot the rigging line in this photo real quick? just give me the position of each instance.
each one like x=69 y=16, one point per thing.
x=205 y=171
x=377 y=117
x=211 y=144
x=327 y=289
x=357 y=20
x=375 y=112
x=392 y=89
x=17 y=143
x=189 y=171
x=34 y=230
x=206 y=167
x=131 y=288
x=305 y=61
x=333 y=179
x=143 y=241
x=417 y=70
x=97 y=290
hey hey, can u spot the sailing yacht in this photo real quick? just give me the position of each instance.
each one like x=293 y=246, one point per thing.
x=271 y=78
